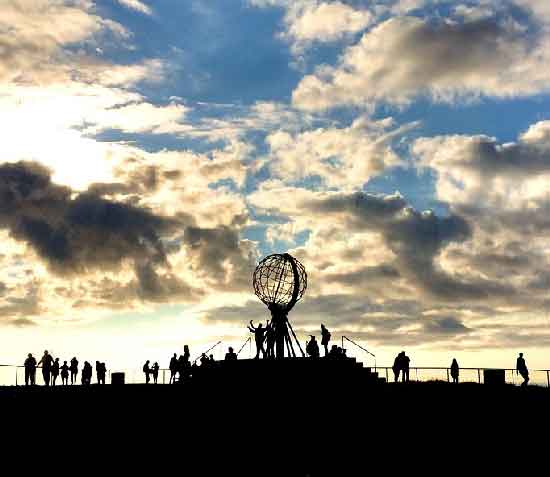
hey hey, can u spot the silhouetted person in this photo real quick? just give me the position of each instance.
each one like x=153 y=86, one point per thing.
x=103 y=373
x=396 y=368
x=231 y=355
x=405 y=362
x=325 y=338
x=100 y=371
x=204 y=360
x=55 y=371
x=86 y=374
x=64 y=374
x=521 y=368
x=46 y=362
x=455 y=371
x=30 y=370
x=259 y=335
x=155 y=372
x=147 y=372
x=312 y=347
x=269 y=340
x=173 y=367
x=74 y=370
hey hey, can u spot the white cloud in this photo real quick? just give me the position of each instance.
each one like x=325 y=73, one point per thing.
x=405 y=57
x=137 y=5
x=342 y=157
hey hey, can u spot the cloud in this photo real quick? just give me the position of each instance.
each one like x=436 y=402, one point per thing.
x=406 y=57
x=137 y=6
x=340 y=157
x=308 y=22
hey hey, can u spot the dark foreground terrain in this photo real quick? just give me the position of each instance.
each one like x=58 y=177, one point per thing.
x=278 y=419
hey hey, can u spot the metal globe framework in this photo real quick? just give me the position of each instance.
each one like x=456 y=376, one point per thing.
x=281 y=280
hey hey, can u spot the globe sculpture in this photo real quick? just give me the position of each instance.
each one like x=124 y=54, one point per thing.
x=279 y=282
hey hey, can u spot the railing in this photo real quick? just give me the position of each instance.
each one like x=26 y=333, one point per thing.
x=426 y=373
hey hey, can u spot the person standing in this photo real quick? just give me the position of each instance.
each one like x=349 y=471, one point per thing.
x=455 y=371
x=46 y=361
x=396 y=368
x=147 y=372
x=325 y=338
x=173 y=367
x=55 y=371
x=521 y=369
x=30 y=370
x=64 y=374
x=155 y=372
x=74 y=369
x=259 y=335
x=405 y=362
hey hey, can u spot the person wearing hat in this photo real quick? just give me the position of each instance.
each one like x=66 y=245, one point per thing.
x=312 y=348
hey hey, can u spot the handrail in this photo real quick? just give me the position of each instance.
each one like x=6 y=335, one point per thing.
x=208 y=350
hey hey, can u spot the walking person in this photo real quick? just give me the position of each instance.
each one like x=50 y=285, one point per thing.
x=30 y=370
x=101 y=371
x=46 y=361
x=64 y=374
x=55 y=371
x=147 y=371
x=521 y=369
x=325 y=338
x=74 y=369
x=455 y=371
x=86 y=374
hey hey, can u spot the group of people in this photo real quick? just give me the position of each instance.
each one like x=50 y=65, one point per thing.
x=267 y=336
x=151 y=371
x=51 y=370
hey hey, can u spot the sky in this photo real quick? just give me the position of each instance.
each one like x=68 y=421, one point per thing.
x=153 y=152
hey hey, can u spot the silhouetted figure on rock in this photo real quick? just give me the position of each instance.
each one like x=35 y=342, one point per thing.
x=521 y=368
x=325 y=338
x=173 y=367
x=46 y=362
x=147 y=372
x=55 y=371
x=74 y=370
x=30 y=370
x=86 y=374
x=312 y=347
x=155 y=372
x=259 y=336
x=64 y=374
x=455 y=370
x=230 y=355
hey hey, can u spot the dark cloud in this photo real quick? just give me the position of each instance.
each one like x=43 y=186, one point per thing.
x=416 y=238
x=75 y=232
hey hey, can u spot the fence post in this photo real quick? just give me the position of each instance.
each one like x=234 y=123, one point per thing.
x=16 y=375
x=163 y=376
x=548 y=377
x=478 y=376
x=387 y=379
x=448 y=375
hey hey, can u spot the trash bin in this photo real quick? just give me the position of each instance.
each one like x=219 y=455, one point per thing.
x=117 y=378
x=494 y=376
